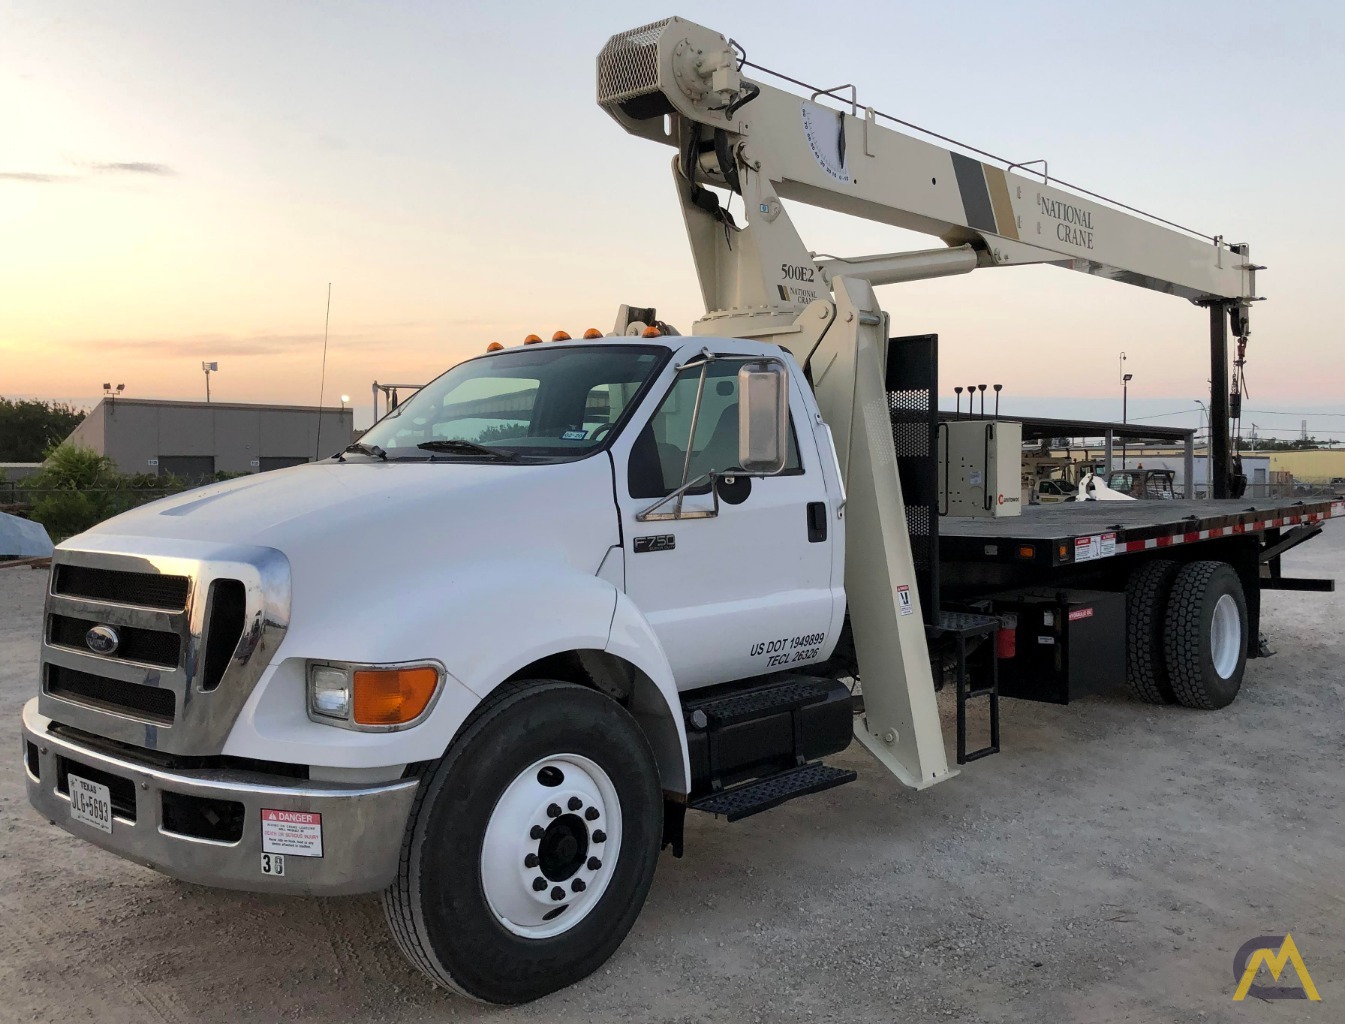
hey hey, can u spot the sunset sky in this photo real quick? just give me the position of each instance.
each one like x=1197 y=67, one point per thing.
x=180 y=181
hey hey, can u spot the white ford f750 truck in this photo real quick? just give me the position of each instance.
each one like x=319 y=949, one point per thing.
x=486 y=659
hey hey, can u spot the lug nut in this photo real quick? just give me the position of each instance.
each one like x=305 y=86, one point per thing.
x=591 y=814
x=599 y=836
x=557 y=894
x=530 y=861
x=553 y=811
x=575 y=803
x=537 y=832
x=578 y=885
x=538 y=884
x=594 y=863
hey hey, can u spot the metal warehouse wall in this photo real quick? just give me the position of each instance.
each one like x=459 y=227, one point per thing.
x=137 y=434
x=1315 y=466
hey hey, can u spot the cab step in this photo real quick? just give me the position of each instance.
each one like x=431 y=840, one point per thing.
x=788 y=694
x=762 y=794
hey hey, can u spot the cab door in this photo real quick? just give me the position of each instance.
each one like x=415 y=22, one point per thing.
x=754 y=588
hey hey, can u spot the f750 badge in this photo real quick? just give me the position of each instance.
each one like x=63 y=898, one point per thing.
x=656 y=542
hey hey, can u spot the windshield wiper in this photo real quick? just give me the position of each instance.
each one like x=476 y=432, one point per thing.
x=467 y=447
x=360 y=448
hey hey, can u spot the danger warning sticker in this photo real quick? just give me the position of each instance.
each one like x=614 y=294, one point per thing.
x=1100 y=545
x=297 y=833
x=904 y=601
x=1080 y=613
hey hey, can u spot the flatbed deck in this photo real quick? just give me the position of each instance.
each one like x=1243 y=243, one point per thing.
x=1067 y=533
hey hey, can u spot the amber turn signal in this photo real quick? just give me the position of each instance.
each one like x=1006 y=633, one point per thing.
x=560 y=336
x=532 y=339
x=393 y=696
x=652 y=332
x=592 y=333
x=494 y=346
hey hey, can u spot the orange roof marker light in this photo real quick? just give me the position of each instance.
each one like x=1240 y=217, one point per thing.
x=652 y=332
x=592 y=333
x=494 y=346
x=560 y=336
x=532 y=339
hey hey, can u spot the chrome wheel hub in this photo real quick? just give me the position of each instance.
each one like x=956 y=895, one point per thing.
x=551 y=846
x=1225 y=636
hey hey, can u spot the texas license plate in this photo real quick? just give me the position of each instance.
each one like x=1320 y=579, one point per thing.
x=90 y=802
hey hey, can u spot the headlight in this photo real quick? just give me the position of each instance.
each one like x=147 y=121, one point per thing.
x=329 y=690
x=372 y=697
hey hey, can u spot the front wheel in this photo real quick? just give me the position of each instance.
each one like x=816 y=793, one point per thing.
x=531 y=846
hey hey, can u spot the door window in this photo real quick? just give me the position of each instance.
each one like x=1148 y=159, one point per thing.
x=659 y=455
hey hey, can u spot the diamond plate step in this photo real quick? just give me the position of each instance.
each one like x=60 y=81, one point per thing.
x=763 y=794
x=742 y=707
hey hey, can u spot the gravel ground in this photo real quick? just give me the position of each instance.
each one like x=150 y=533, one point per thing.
x=1103 y=868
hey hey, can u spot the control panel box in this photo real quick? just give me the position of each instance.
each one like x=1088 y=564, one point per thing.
x=980 y=468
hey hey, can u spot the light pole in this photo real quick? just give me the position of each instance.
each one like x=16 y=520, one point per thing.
x=209 y=368
x=344 y=400
x=1126 y=378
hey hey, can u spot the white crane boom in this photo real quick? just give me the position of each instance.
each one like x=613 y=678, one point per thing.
x=681 y=84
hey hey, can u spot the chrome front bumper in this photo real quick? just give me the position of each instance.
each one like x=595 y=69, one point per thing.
x=362 y=826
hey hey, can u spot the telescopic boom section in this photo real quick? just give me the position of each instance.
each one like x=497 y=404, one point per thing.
x=678 y=83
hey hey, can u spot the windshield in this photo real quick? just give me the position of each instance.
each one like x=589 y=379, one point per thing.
x=539 y=404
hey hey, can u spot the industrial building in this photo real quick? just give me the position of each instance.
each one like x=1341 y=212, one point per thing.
x=196 y=440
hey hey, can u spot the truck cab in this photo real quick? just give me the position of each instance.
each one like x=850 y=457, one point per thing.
x=256 y=684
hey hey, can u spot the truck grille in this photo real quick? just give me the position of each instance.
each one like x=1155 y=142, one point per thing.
x=188 y=644
x=146 y=645
x=149 y=590
x=150 y=703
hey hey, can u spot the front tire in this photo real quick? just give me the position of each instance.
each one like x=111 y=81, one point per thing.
x=1206 y=635
x=531 y=845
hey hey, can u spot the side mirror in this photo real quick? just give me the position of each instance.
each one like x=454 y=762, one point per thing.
x=763 y=417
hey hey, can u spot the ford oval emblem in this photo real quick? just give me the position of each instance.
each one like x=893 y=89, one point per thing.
x=102 y=640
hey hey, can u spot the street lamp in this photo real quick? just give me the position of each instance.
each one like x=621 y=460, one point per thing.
x=1126 y=378
x=209 y=368
x=344 y=400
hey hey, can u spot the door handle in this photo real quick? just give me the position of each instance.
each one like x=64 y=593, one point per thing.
x=817 y=522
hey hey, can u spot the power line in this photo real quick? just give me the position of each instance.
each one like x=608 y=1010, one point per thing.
x=1301 y=415
x=1160 y=415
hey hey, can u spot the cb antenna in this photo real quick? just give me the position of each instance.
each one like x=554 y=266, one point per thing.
x=322 y=382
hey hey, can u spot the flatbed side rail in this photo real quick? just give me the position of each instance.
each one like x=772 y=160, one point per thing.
x=1091 y=538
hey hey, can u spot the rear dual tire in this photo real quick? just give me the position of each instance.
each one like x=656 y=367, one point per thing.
x=1186 y=634
x=1146 y=620
x=1206 y=627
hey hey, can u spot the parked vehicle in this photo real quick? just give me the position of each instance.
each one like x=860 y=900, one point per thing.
x=485 y=660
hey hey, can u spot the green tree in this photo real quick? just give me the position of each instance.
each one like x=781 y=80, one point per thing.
x=29 y=427
x=78 y=488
